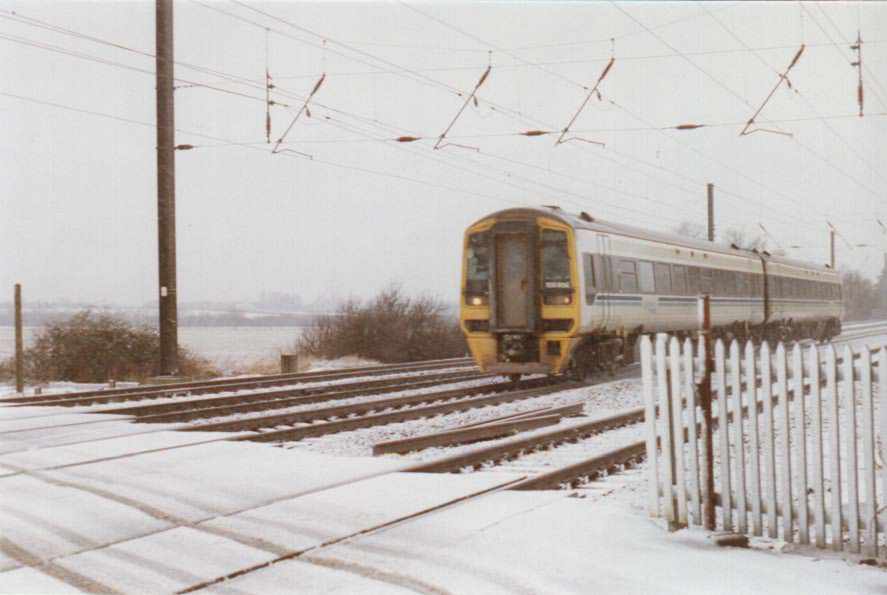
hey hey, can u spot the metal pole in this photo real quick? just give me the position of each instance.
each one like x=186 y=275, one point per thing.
x=166 y=189
x=708 y=475
x=19 y=343
x=831 y=247
x=711 y=211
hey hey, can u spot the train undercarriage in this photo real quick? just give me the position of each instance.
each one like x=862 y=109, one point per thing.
x=600 y=354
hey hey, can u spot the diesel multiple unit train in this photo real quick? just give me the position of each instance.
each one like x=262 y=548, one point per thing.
x=544 y=291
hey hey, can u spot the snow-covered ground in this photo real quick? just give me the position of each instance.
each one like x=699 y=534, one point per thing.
x=164 y=511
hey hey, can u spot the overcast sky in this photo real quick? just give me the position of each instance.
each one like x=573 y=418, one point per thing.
x=78 y=190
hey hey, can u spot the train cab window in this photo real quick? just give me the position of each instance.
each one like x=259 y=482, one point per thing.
x=662 y=273
x=645 y=277
x=478 y=263
x=679 y=279
x=705 y=281
x=555 y=260
x=628 y=276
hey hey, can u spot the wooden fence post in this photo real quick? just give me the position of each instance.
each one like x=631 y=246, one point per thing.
x=882 y=385
x=650 y=422
x=667 y=431
x=769 y=446
x=751 y=381
x=705 y=403
x=852 y=469
x=785 y=453
x=674 y=395
x=692 y=436
x=738 y=435
x=801 y=445
x=831 y=379
x=723 y=439
x=870 y=512
x=818 y=480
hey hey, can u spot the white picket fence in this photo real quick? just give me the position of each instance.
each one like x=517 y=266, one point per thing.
x=805 y=464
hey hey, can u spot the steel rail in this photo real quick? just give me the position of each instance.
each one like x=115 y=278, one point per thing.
x=514 y=448
x=365 y=407
x=279 y=399
x=484 y=431
x=590 y=467
x=345 y=425
x=196 y=387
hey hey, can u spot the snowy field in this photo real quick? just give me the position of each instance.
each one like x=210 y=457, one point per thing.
x=161 y=511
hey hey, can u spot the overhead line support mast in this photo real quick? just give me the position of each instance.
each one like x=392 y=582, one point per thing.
x=166 y=189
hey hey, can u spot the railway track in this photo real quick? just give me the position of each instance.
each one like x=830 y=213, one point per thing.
x=191 y=409
x=314 y=422
x=231 y=384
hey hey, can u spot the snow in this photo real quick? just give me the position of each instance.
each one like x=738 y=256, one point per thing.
x=547 y=542
x=599 y=400
x=161 y=511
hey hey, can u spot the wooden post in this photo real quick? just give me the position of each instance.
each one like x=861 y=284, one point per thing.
x=650 y=421
x=707 y=478
x=289 y=363
x=19 y=343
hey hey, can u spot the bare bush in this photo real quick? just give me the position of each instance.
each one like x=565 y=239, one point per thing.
x=90 y=347
x=389 y=328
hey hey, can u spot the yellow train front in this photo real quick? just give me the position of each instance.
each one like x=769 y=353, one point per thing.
x=520 y=300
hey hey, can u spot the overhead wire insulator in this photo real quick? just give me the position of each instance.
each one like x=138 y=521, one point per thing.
x=688 y=126
x=535 y=132
x=857 y=47
x=407 y=139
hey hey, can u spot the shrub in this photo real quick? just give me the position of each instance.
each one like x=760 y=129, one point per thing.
x=389 y=328
x=96 y=348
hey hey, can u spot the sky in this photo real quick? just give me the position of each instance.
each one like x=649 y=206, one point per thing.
x=346 y=210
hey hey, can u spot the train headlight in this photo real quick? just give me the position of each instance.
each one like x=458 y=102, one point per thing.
x=566 y=299
x=476 y=300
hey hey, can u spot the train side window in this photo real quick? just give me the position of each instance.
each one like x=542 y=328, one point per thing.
x=645 y=277
x=590 y=281
x=628 y=276
x=679 y=279
x=741 y=284
x=662 y=273
x=693 y=280
x=722 y=283
x=705 y=281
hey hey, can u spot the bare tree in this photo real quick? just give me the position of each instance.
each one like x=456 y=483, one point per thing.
x=731 y=236
x=860 y=295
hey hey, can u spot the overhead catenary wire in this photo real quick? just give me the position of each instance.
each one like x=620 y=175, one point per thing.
x=454 y=137
x=850 y=146
x=746 y=102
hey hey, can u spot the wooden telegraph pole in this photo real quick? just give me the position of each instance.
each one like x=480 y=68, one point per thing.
x=166 y=189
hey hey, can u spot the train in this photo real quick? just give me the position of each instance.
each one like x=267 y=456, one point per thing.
x=545 y=291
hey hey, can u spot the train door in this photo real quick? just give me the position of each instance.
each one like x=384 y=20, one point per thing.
x=513 y=281
x=606 y=305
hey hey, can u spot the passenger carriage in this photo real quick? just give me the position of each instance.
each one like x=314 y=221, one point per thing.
x=544 y=291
